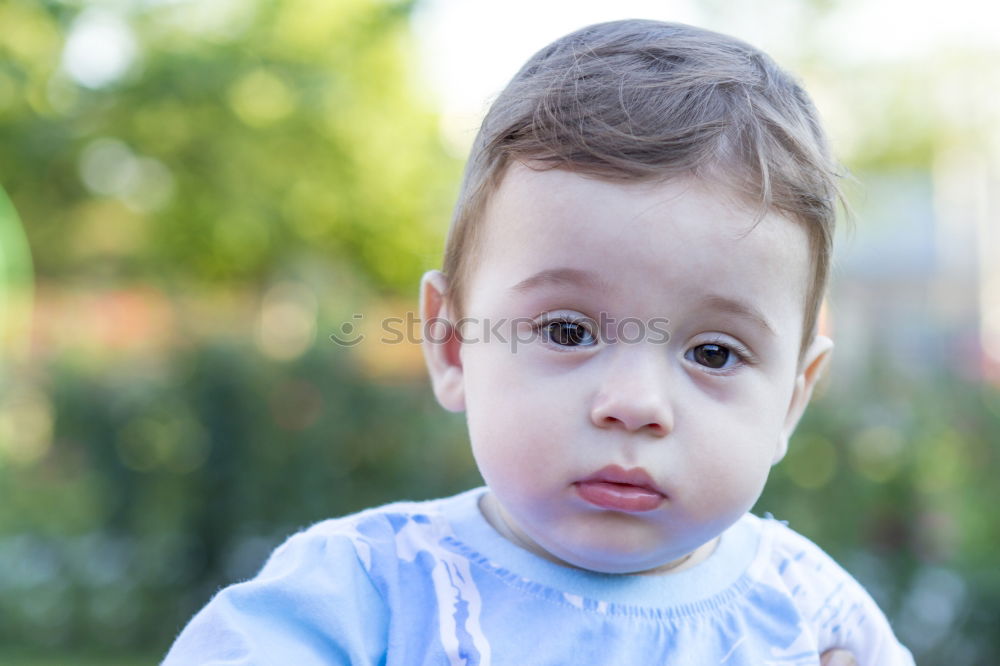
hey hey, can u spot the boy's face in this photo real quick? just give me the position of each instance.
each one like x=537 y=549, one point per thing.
x=624 y=449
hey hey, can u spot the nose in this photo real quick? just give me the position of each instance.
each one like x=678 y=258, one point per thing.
x=633 y=393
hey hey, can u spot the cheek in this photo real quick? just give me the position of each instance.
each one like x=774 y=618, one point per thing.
x=734 y=471
x=518 y=427
x=726 y=489
x=746 y=418
x=733 y=462
x=514 y=433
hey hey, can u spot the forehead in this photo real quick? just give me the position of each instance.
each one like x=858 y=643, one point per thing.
x=637 y=242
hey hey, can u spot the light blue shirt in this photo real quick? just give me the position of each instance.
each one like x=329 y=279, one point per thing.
x=433 y=583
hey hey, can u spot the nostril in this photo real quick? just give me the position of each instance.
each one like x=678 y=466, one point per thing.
x=655 y=428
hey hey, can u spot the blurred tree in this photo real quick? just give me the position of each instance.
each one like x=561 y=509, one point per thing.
x=209 y=142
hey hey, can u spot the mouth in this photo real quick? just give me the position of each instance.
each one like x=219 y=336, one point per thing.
x=618 y=489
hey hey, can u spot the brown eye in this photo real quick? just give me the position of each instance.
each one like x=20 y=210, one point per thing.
x=711 y=356
x=568 y=334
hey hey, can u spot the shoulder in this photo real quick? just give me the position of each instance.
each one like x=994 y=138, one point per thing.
x=811 y=577
x=325 y=595
x=391 y=529
x=829 y=600
x=796 y=557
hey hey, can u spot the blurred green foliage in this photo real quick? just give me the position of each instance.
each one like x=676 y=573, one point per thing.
x=160 y=488
x=240 y=134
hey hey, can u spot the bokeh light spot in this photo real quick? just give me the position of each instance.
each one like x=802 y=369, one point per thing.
x=931 y=606
x=287 y=322
x=109 y=167
x=105 y=166
x=218 y=20
x=939 y=464
x=100 y=49
x=876 y=453
x=36 y=35
x=260 y=98
x=811 y=461
x=26 y=422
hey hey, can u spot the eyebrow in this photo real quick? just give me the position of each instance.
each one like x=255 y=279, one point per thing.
x=561 y=277
x=566 y=276
x=740 y=309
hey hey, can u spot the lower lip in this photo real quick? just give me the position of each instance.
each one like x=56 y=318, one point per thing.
x=619 y=496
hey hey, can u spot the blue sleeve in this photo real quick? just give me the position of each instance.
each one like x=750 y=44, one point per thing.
x=312 y=603
x=836 y=607
x=850 y=619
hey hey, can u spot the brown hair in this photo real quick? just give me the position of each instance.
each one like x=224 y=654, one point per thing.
x=640 y=100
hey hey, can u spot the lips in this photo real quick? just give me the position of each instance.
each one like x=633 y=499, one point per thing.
x=618 y=489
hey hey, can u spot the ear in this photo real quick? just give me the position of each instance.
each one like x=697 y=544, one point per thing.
x=441 y=342
x=813 y=364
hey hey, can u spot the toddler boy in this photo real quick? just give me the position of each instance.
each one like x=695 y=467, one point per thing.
x=628 y=316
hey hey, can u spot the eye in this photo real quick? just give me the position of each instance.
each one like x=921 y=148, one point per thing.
x=711 y=356
x=567 y=333
x=719 y=356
